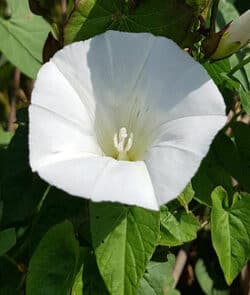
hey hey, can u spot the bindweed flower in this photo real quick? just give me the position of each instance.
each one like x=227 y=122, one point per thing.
x=122 y=117
x=233 y=37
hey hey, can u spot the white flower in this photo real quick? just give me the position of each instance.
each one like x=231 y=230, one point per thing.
x=235 y=36
x=122 y=117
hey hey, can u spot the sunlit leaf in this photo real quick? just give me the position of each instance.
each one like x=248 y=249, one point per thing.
x=231 y=231
x=177 y=225
x=22 y=37
x=124 y=245
x=186 y=196
x=5 y=137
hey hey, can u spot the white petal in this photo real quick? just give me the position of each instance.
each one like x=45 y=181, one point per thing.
x=118 y=74
x=72 y=61
x=176 y=154
x=52 y=91
x=104 y=71
x=51 y=136
x=91 y=89
x=59 y=122
x=173 y=85
x=103 y=179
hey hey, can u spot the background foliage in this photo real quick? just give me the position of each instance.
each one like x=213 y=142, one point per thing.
x=53 y=243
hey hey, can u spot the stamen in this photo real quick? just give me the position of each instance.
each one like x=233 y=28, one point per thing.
x=123 y=143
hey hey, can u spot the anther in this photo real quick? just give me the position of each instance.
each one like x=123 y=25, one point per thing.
x=123 y=143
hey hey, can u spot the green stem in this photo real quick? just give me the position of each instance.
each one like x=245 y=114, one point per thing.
x=43 y=198
x=11 y=260
x=214 y=13
x=240 y=65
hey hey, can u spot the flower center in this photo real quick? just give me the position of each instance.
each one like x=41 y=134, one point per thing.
x=123 y=143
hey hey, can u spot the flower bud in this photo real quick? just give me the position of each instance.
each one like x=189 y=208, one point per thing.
x=232 y=38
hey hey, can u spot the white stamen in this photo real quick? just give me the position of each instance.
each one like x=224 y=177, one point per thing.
x=122 y=144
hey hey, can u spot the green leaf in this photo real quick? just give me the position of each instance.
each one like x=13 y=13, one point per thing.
x=230 y=159
x=219 y=71
x=245 y=100
x=216 y=69
x=23 y=36
x=230 y=228
x=55 y=263
x=158 y=279
x=170 y=18
x=93 y=283
x=78 y=284
x=209 y=281
x=7 y=240
x=227 y=13
x=57 y=207
x=177 y=225
x=199 y=5
x=124 y=239
x=5 y=137
x=210 y=174
x=222 y=162
x=242 y=139
x=173 y=292
x=88 y=281
x=1 y=211
x=9 y=291
x=6 y=72
x=20 y=190
x=186 y=196
x=228 y=84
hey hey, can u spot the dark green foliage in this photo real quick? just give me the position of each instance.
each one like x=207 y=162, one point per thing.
x=54 y=243
x=20 y=189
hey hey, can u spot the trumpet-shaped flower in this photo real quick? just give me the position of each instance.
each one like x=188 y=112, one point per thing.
x=232 y=38
x=122 y=117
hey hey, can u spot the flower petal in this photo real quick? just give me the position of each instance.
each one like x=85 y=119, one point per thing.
x=103 y=179
x=59 y=122
x=118 y=74
x=176 y=154
x=104 y=72
x=53 y=92
x=174 y=85
x=105 y=69
x=147 y=84
x=51 y=137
